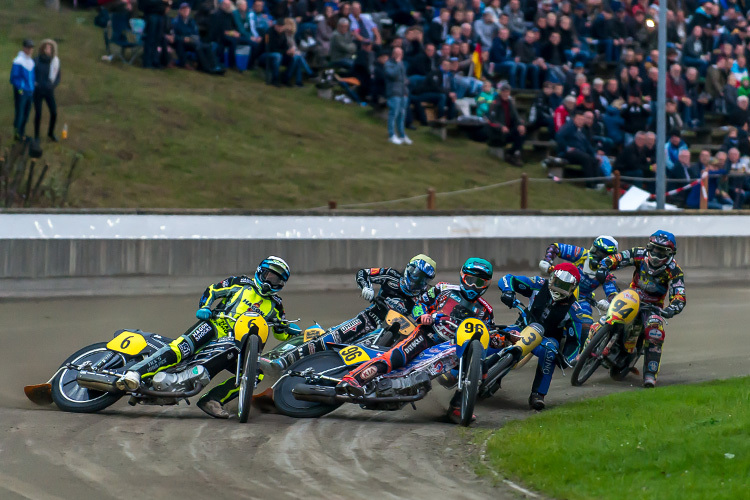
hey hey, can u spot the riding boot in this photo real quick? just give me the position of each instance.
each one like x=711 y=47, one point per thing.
x=651 y=361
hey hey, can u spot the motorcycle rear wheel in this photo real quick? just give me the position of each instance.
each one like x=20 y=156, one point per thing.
x=287 y=404
x=71 y=397
x=588 y=363
x=248 y=378
x=472 y=378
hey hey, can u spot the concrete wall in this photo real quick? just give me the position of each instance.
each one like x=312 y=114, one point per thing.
x=40 y=258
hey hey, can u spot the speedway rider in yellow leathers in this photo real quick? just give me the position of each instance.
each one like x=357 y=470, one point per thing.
x=238 y=294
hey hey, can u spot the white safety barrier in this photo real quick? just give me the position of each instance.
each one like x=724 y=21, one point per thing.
x=355 y=227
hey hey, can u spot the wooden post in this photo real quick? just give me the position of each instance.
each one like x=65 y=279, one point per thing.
x=430 y=198
x=616 y=190
x=704 y=190
x=524 y=191
x=332 y=205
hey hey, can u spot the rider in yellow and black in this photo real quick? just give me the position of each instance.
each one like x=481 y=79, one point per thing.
x=238 y=294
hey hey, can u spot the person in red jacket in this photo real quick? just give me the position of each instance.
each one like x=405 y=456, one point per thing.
x=563 y=111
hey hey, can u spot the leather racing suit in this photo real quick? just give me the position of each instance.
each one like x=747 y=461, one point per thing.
x=442 y=298
x=366 y=321
x=654 y=286
x=551 y=314
x=238 y=294
x=583 y=318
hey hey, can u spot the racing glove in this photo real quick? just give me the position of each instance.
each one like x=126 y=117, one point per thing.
x=508 y=298
x=667 y=313
x=602 y=304
x=203 y=313
x=292 y=329
x=544 y=266
x=497 y=341
x=601 y=274
x=368 y=293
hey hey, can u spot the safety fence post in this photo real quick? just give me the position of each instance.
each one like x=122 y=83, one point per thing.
x=524 y=191
x=704 y=190
x=430 y=198
x=332 y=205
x=616 y=190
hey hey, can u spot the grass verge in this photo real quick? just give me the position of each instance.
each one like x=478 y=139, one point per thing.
x=681 y=442
x=180 y=139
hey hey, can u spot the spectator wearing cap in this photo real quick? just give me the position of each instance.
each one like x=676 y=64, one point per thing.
x=527 y=60
x=23 y=81
x=502 y=61
x=154 y=12
x=694 y=54
x=506 y=126
x=674 y=145
x=46 y=78
x=185 y=35
x=397 y=95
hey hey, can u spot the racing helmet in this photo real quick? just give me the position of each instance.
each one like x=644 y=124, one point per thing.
x=476 y=275
x=271 y=275
x=603 y=246
x=660 y=249
x=564 y=281
x=418 y=273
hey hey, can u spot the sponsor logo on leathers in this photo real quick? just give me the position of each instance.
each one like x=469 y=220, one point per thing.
x=369 y=372
x=184 y=348
x=201 y=331
x=413 y=344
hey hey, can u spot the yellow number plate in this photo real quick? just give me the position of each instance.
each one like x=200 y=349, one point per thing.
x=406 y=327
x=624 y=306
x=127 y=343
x=531 y=336
x=470 y=327
x=353 y=354
x=313 y=333
x=251 y=322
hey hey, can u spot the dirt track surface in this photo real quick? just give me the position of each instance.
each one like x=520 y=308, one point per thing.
x=178 y=452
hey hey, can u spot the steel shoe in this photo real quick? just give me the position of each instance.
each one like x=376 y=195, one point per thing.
x=212 y=407
x=649 y=381
x=454 y=415
x=351 y=387
x=536 y=401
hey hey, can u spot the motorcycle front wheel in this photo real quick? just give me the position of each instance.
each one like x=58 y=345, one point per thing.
x=326 y=361
x=472 y=378
x=248 y=378
x=590 y=357
x=69 y=396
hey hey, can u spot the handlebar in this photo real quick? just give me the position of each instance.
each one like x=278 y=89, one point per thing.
x=271 y=322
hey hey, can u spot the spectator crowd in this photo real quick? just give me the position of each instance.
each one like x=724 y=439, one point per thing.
x=592 y=65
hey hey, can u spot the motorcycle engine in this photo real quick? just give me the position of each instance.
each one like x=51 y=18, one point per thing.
x=408 y=385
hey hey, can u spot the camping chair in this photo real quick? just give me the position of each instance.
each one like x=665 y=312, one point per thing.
x=126 y=34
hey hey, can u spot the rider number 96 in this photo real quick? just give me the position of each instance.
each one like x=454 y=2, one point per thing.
x=353 y=354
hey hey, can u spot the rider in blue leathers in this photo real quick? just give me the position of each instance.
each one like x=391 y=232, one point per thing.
x=551 y=300
x=587 y=262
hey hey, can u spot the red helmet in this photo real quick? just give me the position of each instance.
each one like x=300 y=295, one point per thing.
x=564 y=281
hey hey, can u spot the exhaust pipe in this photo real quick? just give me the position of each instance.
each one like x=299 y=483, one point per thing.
x=315 y=393
x=97 y=381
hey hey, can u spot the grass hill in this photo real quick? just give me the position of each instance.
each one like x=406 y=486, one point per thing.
x=175 y=138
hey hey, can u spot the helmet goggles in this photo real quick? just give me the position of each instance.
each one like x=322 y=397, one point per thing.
x=272 y=278
x=475 y=281
x=658 y=255
x=416 y=278
x=562 y=285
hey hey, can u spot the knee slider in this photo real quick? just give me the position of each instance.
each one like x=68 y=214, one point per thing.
x=654 y=330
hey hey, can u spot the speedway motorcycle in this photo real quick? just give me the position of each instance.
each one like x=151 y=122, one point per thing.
x=618 y=343
x=308 y=388
x=383 y=336
x=85 y=382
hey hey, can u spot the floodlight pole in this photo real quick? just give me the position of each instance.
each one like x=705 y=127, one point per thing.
x=661 y=116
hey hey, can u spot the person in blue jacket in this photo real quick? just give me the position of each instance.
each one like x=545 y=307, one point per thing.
x=22 y=79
